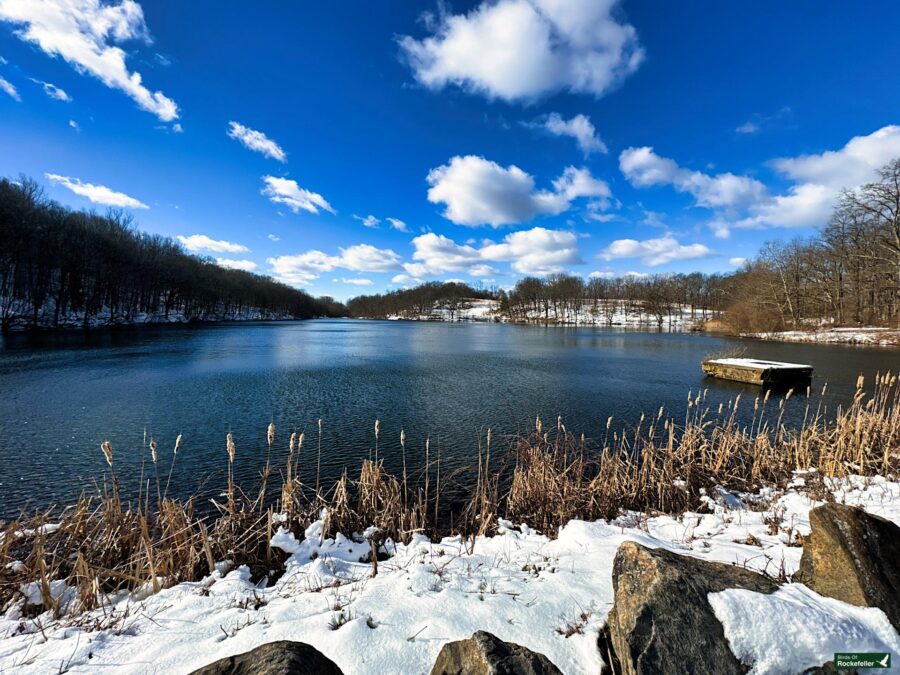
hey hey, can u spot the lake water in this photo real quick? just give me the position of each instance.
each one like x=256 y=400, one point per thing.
x=61 y=395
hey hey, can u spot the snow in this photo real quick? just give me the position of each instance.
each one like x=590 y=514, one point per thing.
x=795 y=628
x=757 y=363
x=883 y=337
x=519 y=585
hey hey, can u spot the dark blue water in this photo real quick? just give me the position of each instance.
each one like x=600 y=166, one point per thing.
x=61 y=395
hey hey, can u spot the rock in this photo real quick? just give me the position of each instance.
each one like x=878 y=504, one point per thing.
x=661 y=620
x=486 y=654
x=852 y=556
x=284 y=657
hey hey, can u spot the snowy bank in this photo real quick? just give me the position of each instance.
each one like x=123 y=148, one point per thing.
x=882 y=337
x=551 y=596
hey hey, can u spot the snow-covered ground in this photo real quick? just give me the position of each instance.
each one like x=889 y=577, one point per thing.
x=757 y=363
x=884 y=337
x=621 y=314
x=549 y=595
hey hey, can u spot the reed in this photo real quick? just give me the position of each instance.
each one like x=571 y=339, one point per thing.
x=103 y=543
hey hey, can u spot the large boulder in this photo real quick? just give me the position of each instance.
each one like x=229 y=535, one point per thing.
x=486 y=654
x=284 y=657
x=853 y=556
x=661 y=620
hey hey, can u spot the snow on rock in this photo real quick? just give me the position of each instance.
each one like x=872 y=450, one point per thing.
x=757 y=363
x=795 y=628
x=551 y=596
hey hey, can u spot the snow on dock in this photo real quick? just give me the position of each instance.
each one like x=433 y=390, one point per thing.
x=758 y=371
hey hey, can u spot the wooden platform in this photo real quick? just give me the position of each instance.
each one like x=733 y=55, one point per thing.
x=757 y=371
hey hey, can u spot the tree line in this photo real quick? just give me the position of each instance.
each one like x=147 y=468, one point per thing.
x=59 y=266
x=848 y=274
x=451 y=297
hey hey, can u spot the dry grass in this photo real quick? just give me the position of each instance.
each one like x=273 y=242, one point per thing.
x=545 y=478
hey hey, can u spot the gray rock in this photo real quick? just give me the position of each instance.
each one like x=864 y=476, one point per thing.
x=661 y=620
x=486 y=654
x=284 y=657
x=853 y=556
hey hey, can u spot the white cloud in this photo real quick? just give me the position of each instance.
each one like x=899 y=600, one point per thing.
x=602 y=275
x=655 y=251
x=398 y=224
x=368 y=221
x=243 y=265
x=98 y=194
x=8 y=87
x=200 y=242
x=737 y=262
x=748 y=128
x=477 y=191
x=579 y=128
x=53 y=91
x=74 y=125
x=643 y=168
x=535 y=251
x=525 y=49
x=86 y=33
x=177 y=128
x=287 y=192
x=405 y=280
x=256 y=141
x=273 y=237
x=354 y=281
x=303 y=268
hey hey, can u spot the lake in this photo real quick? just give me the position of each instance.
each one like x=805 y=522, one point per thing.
x=62 y=394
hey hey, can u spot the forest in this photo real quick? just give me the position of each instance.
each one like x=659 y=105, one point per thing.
x=847 y=274
x=61 y=267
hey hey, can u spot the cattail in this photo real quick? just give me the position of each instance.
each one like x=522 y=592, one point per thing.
x=558 y=422
x=153 y=450
x=106 y=447
x=270 y=433
x=538 y=425
x=300 y=442
x=229 y=443
x=402 y=438
x=659 y=416
x=608 y=422
x=293 y=442
x=789 y=394
x=490 y=435
x=177 y=443
x=377 y=429
x=860 y=381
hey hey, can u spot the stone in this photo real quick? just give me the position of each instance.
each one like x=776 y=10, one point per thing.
x=661 y=620
x=284 y=657
x=853 y=556
x=486 y=654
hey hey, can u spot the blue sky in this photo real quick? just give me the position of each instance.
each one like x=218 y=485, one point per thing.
x=485 y=140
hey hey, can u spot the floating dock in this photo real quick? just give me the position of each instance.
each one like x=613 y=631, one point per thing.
x=757 y=371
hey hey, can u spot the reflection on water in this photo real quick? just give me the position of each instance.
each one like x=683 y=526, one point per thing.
x=62 y=394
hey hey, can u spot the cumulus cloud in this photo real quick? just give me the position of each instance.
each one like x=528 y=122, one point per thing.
x=201 y=242
x=536 y=251
x=368 y=221
x=524 y=49
x=7 y=86
x=287 y=192
x=256 y=141
x=579 y=127
x=644 y=168
x=602 y=275
x=53 y=91
x=243 y=265
x=86 y=33
x=737 y=261
x=273 y=237
x=405 y=280
x=477 y=191
x=398 y=224
x=355 y=281
x=98 y=194
x=74 y=125
x=654 y=252
x=303 y=268
x=742 y=202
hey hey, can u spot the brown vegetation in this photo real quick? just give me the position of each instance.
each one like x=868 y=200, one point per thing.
x=545 y=478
